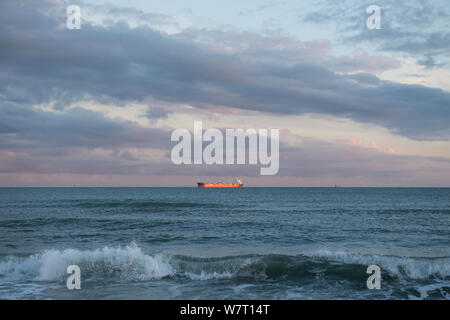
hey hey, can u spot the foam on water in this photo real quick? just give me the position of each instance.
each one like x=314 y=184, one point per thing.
x=123 y=263
x=409 y=267
x=130 y=263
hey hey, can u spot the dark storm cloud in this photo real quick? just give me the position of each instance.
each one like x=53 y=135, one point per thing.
x=41 y=61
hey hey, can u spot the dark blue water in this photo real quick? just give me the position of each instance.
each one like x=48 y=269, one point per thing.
x=269 y=243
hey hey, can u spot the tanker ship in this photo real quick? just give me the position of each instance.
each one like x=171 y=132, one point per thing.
x=238 y=184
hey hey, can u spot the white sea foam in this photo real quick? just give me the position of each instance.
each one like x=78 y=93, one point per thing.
x=413 y=268
x=425 y=290
x=127 y=263
x=124 y=263
x=208 y=275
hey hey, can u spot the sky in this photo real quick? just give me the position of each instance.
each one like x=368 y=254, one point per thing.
x=96 y=106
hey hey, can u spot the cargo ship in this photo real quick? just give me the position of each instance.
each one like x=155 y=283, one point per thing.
x=238 y=184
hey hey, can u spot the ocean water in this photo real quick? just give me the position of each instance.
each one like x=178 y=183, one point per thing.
x=239 y=243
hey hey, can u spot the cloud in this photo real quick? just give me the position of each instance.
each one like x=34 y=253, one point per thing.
x=376 y=147
x=419 y=28
x=156 y=113
x=429 y=62
x=261 y=8
x=41 y=63
x=307 y=160
x=25 y=128
x=363 y=63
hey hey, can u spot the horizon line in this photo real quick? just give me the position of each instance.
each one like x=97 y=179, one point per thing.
x=333 y=187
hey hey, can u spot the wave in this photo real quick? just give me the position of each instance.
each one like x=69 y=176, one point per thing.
x=123 y=263
x=402 y=267
x=130 y=263
x=140 y=204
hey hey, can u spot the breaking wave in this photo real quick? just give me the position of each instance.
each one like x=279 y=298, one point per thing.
x=130 y=263
x=122 y=263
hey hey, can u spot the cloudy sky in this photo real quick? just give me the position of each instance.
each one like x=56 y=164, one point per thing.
x=96 y=106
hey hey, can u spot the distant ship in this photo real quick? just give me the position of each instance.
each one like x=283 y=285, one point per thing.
x=238 y=184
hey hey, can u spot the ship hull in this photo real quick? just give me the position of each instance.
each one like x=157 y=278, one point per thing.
x=219 y=185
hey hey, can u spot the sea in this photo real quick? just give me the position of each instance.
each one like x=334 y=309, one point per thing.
x=225 y=243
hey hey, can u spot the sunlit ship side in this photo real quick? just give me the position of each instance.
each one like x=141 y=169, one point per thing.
x=238 y=184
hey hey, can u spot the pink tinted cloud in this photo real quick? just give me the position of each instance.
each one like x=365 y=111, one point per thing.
x=392 y=150
x=364 y=63
x=356 y=142
x=377 y=147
